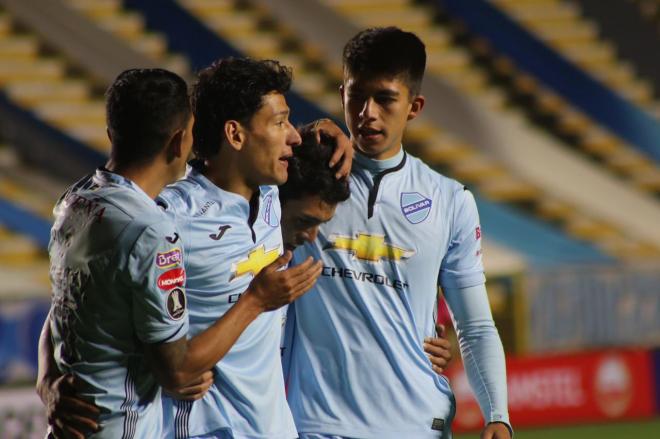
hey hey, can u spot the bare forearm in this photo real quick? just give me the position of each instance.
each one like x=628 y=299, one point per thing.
x=208 y=347
x=178 y=363
x=272 y=288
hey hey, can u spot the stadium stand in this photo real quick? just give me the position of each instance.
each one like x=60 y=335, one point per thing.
x=562 y=26
x=565 y=121
x=528 y=102
x=633 y=32
x=43 y=83
x=26 y=199
x=446 y=140
x=495 y=137
x=531 y=54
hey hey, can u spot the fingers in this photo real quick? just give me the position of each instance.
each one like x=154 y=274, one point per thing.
x=280 y=262
x=437 y=344
x=81 y=423
x=343 y=153
x=440 y=330
x=196 y=389
x=345 y=168
x=64 y=385
x=62 y=430
x=336 y=155
x=56 y=433
x=207 y=377
x=312 y=269
x=438 y=350
x=68 y=404
x=318 y=127
x=496 y=430
x=344 y=150
x=308 y=282
x=438 y=364
x=300 y=270
x=203 y=378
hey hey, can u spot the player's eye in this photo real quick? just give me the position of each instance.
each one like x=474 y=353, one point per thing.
x=385 y=100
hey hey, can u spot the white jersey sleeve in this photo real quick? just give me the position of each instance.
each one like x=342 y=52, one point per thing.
x=462 y=266
x=481 y=349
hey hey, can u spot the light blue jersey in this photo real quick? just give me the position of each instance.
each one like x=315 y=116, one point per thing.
x=357 y=365
x=226 y=247
x=117 y=283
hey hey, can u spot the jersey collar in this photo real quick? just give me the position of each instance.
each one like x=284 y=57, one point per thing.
x=194 y=173
x=104 y=177
x=376 y=166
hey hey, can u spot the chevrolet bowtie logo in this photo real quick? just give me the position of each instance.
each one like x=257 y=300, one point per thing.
x=256 y=260
x=368 y=247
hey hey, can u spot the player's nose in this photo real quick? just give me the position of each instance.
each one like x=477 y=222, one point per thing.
x=293 y=137
x=368 y=109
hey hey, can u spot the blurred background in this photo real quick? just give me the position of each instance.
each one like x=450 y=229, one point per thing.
x=548 y=110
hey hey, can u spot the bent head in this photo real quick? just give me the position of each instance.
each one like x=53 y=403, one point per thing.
x=148 y=114
x=383 y=72
x=311 y=194
x=239 y=103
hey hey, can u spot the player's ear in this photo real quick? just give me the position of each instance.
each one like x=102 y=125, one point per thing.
x=234 y=134
x=341 y=95
x=416 y=106
x=175 y=145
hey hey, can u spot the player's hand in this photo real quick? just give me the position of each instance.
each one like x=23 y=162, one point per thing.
x=343 y=152
x=438 y=350
x=68 y=416
x=273 y=288
x=194 y=390
x=496 y=430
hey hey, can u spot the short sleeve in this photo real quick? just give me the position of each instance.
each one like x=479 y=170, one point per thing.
x=462 y=266
x=157 y=274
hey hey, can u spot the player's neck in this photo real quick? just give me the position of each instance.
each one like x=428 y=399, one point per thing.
x=151 y=178
x=224 y=172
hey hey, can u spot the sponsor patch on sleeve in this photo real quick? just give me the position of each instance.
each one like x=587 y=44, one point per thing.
x=477 y=233
x=173 y=278
x=170 y=258
x=176 y=303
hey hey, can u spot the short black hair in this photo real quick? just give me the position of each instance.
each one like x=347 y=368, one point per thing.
x=309 y=173
x=143 y=108
x=232 y=89
x=386 y=51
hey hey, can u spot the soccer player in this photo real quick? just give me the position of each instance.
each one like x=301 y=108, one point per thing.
x=310 y=197
x=358 y=367
x=119 y=315
x=228 y=212
x=311 y=193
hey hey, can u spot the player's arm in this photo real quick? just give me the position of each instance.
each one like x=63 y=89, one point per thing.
x=67 y=415
x=343 y=155
x=483 y=355
x=181 y=361
x=463 y=284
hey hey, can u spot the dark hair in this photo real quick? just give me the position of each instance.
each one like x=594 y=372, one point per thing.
x=143 y=108
x=309 y=173
x=232 y=89
x=386 y=51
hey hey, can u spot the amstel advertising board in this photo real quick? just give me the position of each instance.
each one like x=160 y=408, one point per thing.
x=567 y=389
